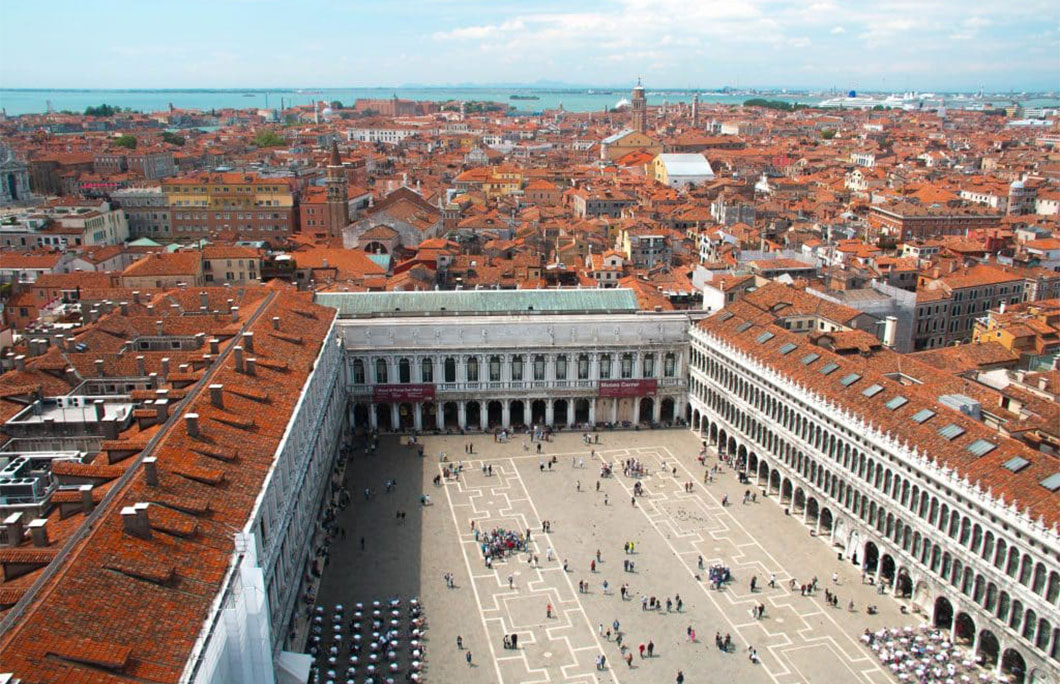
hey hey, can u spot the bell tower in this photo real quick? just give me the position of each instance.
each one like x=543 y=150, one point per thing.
x=337 y=194
x=640 y=109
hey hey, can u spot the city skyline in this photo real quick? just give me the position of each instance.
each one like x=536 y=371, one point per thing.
x=890 y=46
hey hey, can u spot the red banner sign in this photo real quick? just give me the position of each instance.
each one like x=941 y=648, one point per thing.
x=390 y=393
x=628 y=388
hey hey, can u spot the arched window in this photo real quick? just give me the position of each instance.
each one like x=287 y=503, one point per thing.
x=380 y=371
x=450 y=369
x=495 y=369
x=404 y=371
x=649 y=366
x=605 y=366
x=427 y=370
x=472 y=369
x=627 y=365
x=358 y=372
x=561 y=367
x=539 y=367
x=517 y=368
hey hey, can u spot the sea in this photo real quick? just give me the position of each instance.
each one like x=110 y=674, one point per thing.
x=32 y=101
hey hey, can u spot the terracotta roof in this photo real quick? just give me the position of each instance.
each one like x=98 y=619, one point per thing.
x=144 y=601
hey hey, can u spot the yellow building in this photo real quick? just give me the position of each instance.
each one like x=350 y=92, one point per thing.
x=622 y=143
x=244 y=203
x=503 y=181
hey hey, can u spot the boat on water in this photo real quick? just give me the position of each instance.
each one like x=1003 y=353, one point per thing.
x=523 y=97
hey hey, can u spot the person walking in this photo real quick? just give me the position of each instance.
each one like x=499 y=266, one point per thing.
x=467 y=657
x=459 y=643
x=680 y=677
x=548 y=611
x=651 y=648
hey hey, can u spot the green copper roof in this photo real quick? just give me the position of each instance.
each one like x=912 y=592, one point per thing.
x=479 y=301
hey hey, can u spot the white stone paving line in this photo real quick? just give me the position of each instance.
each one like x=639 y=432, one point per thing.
x=507 y=510
x=777 y=649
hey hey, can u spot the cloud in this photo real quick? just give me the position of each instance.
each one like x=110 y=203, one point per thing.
x=480 y=32
x=837 y=30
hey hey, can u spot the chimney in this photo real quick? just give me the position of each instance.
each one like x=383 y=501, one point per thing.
x=136 y=520
x=217 y=396
x=215 y=346
x=87 y=504
x=71 y=375
x=200 y=340
x=101 y=409
x=162 y=409
x=20 y=362
x=165 y=368
x=136 y=296
x=38 y=530
x=252 y=366
x=158 y=328
x=192 y=422
x=124 y=308
x=151 y=471
x=141 y=367
x=152 y=380
x=230 y=304
x=235 y=313
x=13 y=529
x=890 y=330
x=239 y=359
x=204 y=301
x=248 y=341
x=275 y=322
x=99 y=367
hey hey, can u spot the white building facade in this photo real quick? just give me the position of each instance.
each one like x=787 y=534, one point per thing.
x=954 y=551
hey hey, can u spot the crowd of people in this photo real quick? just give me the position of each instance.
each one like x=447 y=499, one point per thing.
x=926 y=655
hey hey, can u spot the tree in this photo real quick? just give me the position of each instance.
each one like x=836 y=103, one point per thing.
x=172 y=138
x=335 y=104
x=268 y=139
x=126 y=140
x=828 y=134
x=102 y=110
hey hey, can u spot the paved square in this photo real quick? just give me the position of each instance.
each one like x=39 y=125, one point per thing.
x=799 y=639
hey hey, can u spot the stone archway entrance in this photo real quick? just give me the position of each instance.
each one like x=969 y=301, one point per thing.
x=943 y=614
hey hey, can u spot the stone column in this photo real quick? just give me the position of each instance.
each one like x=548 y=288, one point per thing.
x=506 y=413
x=592 y=410
x=570 y=412
x=484 y=415
x=395 y=416
x=594 y=366
x=461 y=412
x=656 y=410
x=549 y=412
x=527 y=412
x=614 y=410
x=636 y=410
x=373 y=419
x=637 y=364
x=439 y=416
x=417 y=416
x=550 y=370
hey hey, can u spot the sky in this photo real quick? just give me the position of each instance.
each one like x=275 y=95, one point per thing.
x=888 y=45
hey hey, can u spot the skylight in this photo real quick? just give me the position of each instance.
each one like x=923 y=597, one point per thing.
x=897 y=402
x=1052 y=483
x=764 y=337
x=744 y=326
x=981 y=447
x=872 y=390
x=951 y=431
x=829 y=368
x=849 y=380
x=923 y=415
x=1017 y=464
x=810 y=358
x=787 y=348
x=725 y=315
